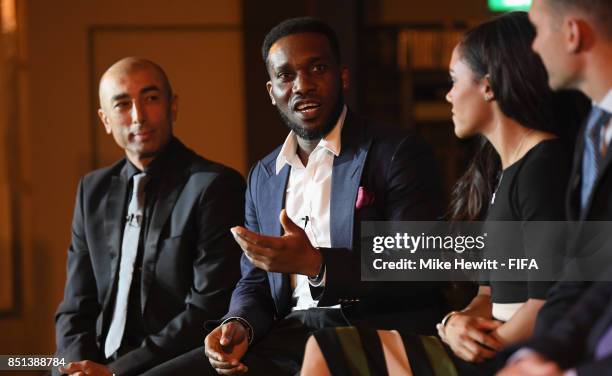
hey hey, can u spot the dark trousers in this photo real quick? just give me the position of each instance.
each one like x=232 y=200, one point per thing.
x=279 y=352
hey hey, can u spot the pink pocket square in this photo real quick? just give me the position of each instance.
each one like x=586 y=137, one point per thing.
x=364 y=198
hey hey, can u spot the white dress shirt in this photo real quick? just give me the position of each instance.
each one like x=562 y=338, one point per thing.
x=307 y=199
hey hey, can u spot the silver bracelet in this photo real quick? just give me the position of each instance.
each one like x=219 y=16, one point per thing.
x=447 y=317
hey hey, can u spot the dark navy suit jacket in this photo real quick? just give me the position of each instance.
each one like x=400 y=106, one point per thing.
x=573 y=339
x=585 y=240
x=400 y=171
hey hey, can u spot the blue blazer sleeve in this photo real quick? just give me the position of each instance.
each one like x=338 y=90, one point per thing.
x=252 y=299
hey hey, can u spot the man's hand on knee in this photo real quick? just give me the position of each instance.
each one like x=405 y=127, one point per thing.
x=225 y=346
x=85 y=367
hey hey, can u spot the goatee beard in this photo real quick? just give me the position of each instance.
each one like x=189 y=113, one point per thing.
x=315 y=134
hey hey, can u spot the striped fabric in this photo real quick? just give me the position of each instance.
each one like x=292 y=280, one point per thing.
x=359 y=351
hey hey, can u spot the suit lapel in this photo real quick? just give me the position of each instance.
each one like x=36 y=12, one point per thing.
x=346 y=175
x=272 y=196
x=171 y=173
x=573 y=196
x=602 y=171
x=115 y=203
x=167 y=195
x=572 y=200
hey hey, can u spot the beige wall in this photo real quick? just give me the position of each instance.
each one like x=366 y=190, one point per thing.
x=59 y=39
x=204 y=64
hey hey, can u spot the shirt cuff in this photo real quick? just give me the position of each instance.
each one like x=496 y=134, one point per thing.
x=520 y=354
x=249 y=328
x=524 y=352
x=319 y=280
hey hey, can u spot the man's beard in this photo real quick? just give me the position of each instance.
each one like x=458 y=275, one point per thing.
x=316 y=134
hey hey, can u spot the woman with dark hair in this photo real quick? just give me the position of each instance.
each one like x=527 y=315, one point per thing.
x=500 y=94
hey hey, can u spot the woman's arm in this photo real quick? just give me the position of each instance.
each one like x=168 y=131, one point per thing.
x=468 y=333
x=521 y=324
x=480 y=306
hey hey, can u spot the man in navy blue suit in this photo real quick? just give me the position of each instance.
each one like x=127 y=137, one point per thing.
x=580 y=344
x=304 y=206
x=573 y=333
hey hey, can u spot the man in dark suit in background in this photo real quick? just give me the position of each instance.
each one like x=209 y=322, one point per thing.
x=580 y=343
x=301 y=268
x=152 y=257
x=574 y=39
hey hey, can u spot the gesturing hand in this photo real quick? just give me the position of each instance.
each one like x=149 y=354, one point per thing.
x=290 y=253
x=470 y=338
x=225 y=346
x=85 y=367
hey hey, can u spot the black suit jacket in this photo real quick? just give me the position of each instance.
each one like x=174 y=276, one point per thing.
x=400 y=172
x=190 y=262
x=573 y=340
x=585 y=241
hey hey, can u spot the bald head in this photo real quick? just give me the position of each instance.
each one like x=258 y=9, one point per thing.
x=138 y=108
x=126 y=67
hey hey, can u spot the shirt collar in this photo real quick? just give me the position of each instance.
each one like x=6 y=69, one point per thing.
x=131 y=170
x=606 y=102
x=331 y=142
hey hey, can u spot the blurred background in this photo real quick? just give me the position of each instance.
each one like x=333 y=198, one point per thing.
x=52 y=54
